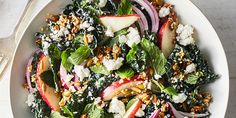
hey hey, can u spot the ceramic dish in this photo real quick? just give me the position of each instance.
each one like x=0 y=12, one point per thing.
x=208 y=42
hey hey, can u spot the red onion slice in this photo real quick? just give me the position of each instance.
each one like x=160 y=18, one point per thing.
x=28 y=72
x=63 y=76
x=148 y=9
x=155 y=114
x=180 y=114
x=156 y=16
x=142 y=16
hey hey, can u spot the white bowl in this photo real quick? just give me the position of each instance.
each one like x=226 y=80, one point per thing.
x=208 y=42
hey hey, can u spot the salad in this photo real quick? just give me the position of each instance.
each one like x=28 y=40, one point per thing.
x=117 y=58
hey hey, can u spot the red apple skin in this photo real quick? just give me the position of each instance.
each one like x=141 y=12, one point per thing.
x=115 y=88
x=133 y=109
x=167 y=38
x=48 y=93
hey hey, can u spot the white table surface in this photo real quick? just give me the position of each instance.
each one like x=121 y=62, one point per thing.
x=222 y=15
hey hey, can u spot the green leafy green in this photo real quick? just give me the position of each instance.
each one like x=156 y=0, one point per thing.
x=64 y=60
x=101 y=69
x=56 y=114
x=125 y=72
x=193 y=78
x=47 y=77
x=168 y=90
x=156 y=58
x=79 y=55
x=93 y=111
x=115 y=39
x=132 y=53
x=67 y=111
x=54 y=52
x=125 y=8
x=130 y=103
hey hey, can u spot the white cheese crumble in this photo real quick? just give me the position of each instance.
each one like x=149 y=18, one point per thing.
x=116 y=106
x=190 y=68
x=102 y=3
x=122 y=39
x=133 y=36
x=185 y=34
x=156 y=76
x=147 y=84
x=81 y=72
x=180 y=98
x=31 y=100
x=68 y=78
x=164 y=12
x=84 y=25
x=109 y=32
x=45 y=46
x=72 y=89
x=112 y=64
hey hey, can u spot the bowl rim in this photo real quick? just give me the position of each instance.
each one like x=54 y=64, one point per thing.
x=197 y=9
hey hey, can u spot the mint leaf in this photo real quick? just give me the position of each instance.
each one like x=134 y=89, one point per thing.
x=193 y=78
x=125 y=8
x=170 y=91
x=54 y=52
x=93 y=111
x=125 y=73
x=81 y=54
x=156 y=58
x=100 y=69
x=47 y=77
x=67 y=111
x=64 y=60
x=56 y=114
x=130 y=103
x=132 y=52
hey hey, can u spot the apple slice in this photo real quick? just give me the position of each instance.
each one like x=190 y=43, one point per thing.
x=48 y=93
x=118 y=22
x=130 y=113
x=167 y=38
x=114 y=89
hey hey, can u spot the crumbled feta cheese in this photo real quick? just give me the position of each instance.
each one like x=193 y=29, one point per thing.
x=81 y=72
x=164 y=12
x=57 y=34
x=133 y=36
x=147 y=84
x=180 y=98
x=68 y=78
x=185 y=34
x=90 y=38
x=72 y=89
x=90 y=94
x=45 y=46
x=116 y=106
x=97 y=100
x=102 y=3
x=31 y=100
x=90 y=28
x=112 y=64
x=109 y=32
x=140 y=113
x=84 y=25
x=190 y=68
x=156 y=76
x=122 y=39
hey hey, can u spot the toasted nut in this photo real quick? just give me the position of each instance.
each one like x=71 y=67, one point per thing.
x=154 y=98
x=125 y=100
x=84 y=116
x=66 y=93
x=140 y=86
x=62 y=102
x=126 y=92
x=56 y=27
x=135 y=89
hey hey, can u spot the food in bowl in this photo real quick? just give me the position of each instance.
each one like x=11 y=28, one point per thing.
x=128 y=58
